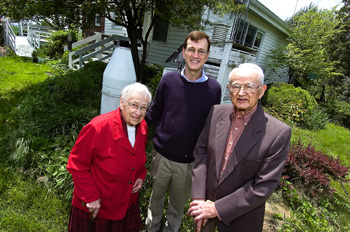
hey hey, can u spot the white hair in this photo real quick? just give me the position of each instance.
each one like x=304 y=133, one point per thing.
x=136 y=87
x=251 y=67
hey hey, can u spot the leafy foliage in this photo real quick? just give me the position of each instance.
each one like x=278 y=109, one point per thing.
x=338 y=112
x=131 y=14
x=313 y=169
x=306 y=215
x=57 y=41
x=153 y=74
x=307 y=53
x=339 y=50
x=58 y=14
x=295 y=106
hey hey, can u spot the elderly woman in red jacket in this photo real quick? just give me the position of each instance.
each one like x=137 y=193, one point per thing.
x=107 y=164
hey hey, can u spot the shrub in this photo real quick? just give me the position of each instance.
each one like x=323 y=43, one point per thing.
x=313 y=169
x=152 y=75
x=315 y=120
x=54 y=49
x=295 y=106
x=338 y=112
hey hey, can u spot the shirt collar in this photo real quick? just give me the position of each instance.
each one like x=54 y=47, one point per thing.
x=246 y=117
x=203 y=78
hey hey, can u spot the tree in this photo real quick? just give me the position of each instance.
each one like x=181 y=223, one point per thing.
x=307 y=54
x=340 y=47
x=130 y=14
x=56 y=13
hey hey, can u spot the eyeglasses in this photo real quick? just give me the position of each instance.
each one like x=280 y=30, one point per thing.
x=135 y=107
x=200 y=52
x=247 y=88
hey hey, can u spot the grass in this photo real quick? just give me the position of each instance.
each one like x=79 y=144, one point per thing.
x=17 y=73
x=25 y=205
x=332 y=140
x=15 y=29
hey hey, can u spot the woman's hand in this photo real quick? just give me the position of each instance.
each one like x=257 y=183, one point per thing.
x=137 y=185
x=94 y=207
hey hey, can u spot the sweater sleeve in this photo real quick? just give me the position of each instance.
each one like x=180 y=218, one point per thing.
x=79 y=164
x=156 y=109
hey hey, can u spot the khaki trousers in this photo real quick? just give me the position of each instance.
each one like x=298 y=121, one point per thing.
x=177 y=177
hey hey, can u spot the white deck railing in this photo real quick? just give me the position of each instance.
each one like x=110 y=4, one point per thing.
x=38 y=34
x=100 y=48
x=9 y=35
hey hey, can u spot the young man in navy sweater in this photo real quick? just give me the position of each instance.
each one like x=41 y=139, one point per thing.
x=179 y=109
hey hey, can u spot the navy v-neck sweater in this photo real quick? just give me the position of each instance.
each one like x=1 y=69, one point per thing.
x=180 y=109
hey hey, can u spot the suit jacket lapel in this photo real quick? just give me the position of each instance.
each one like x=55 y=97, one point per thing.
x=250 y=136
x=222 y=130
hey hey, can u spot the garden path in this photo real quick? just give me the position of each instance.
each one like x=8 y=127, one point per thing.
x=23 y=47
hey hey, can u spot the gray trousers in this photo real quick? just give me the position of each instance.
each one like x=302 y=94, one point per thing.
x=177 y=177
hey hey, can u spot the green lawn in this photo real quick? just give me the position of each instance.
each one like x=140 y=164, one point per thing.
x=25 y=205
x=333 y=140
x=17 y=73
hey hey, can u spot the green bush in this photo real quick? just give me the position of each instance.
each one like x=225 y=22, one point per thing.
x=54 y=49
x=315 y=120
x=152 y=75
x=338 y=112
x=295 y=106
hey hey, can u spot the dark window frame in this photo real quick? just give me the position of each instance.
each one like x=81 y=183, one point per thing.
x=248 y=35
x=98 y=20
x=160 y=31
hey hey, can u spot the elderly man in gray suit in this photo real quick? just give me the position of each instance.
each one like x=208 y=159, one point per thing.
x=239 y=158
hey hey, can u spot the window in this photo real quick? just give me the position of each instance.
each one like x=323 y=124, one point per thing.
x=258 y=39
x=160 y=30
x=247 y=35
x=97 y=20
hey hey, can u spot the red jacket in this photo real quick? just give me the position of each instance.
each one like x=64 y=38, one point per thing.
x=104 y=165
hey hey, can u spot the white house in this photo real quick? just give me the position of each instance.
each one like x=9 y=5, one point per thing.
x=246 y=37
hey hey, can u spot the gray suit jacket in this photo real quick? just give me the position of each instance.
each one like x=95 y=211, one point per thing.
x=252 y=172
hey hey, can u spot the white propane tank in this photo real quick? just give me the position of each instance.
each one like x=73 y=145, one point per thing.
x=119 y=73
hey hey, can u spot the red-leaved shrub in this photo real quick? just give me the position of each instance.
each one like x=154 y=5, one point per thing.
x=313 y=169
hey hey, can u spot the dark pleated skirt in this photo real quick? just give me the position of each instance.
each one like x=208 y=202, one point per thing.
x=80 y=221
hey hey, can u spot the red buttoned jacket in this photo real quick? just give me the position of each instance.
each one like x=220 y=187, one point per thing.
x=104 y=165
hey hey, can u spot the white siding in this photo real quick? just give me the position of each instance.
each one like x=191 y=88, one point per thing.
x=111 y=29
x=272 y=39
x=158 y=51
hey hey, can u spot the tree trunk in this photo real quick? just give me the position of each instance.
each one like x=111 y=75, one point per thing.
x=323 y=94
x=138 y=64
